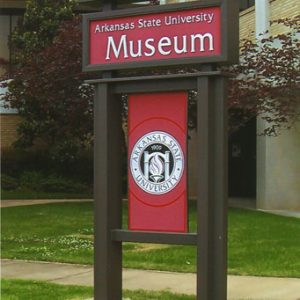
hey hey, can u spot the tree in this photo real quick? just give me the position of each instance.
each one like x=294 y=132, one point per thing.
x=39 y=26
x=49 y=91
x=267 y=80
x=50 y=94
x=47 y=85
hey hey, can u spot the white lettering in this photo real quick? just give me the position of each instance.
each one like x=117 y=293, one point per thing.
x=164 y=42
x=97 y=29
x=175 y=20
x=149 y=45
x=201 y=38
x=142 y=23
x=183 y=49
x=139 y=50
x=164 y=46
x=117 y=52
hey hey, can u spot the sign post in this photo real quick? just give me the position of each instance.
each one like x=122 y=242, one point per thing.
x=157 y=160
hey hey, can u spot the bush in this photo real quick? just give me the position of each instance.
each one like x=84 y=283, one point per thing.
x=37 y=172
x=78 y=170
x=36 y=181
x=8 y=183
x=60 y=184
x=32 y=180
x=15 y=162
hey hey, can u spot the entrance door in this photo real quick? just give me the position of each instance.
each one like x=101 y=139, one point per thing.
x=242 y=161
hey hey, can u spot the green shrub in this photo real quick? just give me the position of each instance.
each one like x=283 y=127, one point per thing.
x=8 y=183
x=37 y=172
x=32 y=180
x=17 y=161
x=60 y=184
x=36 y=181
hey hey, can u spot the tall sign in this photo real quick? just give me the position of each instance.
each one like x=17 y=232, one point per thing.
x=187 y=34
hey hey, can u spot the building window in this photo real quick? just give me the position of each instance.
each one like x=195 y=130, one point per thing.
x=8 y=23
x=244 y=4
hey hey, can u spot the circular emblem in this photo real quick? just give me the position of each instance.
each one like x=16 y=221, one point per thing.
x=157 y=162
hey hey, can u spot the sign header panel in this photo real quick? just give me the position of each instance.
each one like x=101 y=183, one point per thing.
x=180 y=34
x=188 y=33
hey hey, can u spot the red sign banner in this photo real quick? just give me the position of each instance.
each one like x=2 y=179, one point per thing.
x=177 y=34
x=157 y=133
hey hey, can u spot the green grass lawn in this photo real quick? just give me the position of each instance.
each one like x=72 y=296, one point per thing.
x=13 y=289
x=258 y=243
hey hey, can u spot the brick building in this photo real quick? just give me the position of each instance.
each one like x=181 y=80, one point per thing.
x=277 y=158
x=265 y=173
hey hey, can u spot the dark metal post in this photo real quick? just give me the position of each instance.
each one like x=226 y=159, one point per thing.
x=108 y=4
x=211 y=237
x=220 y=149
x=107 y=189
x=212 y=189
x=107 y=194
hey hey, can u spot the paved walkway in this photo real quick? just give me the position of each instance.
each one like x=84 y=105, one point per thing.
x=11 y=203
x=239 y=287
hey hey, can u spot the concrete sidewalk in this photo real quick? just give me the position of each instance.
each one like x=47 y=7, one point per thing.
x=239 y=287
x=12 y=203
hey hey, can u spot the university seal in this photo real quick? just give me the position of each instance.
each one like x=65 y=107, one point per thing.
x=157 y=162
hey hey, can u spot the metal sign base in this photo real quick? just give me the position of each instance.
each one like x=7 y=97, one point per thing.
x=211 y=237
